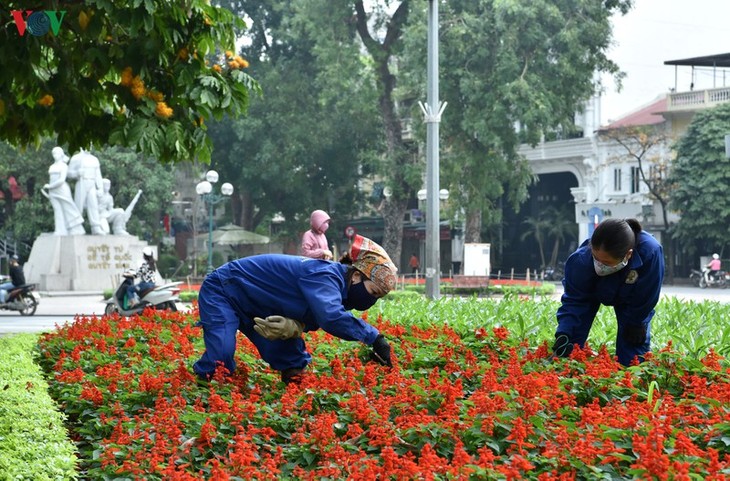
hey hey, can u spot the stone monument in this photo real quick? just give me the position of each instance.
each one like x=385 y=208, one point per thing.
x=113 y=217
x=66 y=215
x=68 y=259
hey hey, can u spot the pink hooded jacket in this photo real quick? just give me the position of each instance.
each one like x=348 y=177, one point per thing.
x=314 y=242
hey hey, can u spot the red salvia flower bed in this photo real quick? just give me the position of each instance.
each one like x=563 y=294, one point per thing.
x=476 y=405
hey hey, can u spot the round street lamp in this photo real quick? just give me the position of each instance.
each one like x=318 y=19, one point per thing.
x=205 y=190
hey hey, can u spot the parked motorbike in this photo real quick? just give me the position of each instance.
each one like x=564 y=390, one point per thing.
x=721 y=279
x=161 y=297
x=22 y=299
x=554 y=273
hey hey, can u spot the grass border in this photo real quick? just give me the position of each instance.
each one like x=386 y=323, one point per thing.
x=34 y=443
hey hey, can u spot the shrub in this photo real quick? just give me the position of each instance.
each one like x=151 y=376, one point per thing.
x=33 y=440
x=188 y=296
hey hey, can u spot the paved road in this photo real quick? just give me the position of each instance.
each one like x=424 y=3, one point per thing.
x=686 y=293
x=56 y=309
x=60 y=308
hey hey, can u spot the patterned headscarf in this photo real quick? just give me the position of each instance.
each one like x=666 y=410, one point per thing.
x=372 y=260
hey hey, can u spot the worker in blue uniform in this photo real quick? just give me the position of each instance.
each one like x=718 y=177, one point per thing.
x=273 y=298
x=620 y=266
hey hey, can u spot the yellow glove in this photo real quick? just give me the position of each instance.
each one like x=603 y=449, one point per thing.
x=277 y=328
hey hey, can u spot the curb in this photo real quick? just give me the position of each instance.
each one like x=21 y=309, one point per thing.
x=70 y=293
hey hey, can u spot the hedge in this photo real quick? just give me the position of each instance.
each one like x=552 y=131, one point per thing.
x=34 y=444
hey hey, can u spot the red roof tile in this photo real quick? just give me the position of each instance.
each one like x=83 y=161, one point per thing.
x=649 y=114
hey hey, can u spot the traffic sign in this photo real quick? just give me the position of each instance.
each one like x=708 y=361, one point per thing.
x=350 y=231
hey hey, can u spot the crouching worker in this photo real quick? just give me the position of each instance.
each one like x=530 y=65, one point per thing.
x=273 y=298
x=620 y=266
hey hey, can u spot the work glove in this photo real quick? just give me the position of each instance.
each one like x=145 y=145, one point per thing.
x=635 y=335
x=563 y=345
x=277 y=328
x=381 y=351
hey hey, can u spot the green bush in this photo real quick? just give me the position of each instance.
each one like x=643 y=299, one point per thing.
x=189 y=296
x=402 y=294
x=169 y=264
x=545 y=289
x=34 y=444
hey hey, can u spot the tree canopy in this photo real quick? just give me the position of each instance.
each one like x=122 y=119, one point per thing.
x=145 y=74
x=305 y=141
x=511 y=73
x=700 y=177
x=334 y=71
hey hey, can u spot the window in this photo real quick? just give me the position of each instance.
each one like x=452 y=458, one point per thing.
x=655 y=173
x=635 y=180
x=617 y=180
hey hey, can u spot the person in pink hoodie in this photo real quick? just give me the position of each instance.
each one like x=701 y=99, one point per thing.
x=314 y=242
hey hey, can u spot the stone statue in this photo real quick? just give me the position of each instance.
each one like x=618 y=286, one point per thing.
x=86 y=169
x=114 y=216
x=66 y=215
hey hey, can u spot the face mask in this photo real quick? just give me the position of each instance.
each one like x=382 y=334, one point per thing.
x=359 y=298
x=604 y=270
x=323 y=228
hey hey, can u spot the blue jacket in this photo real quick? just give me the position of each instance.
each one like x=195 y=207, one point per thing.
x=633 y=291
x=301 y=288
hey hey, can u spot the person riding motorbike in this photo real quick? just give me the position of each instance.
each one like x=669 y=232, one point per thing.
x=714 y=268
x=17 y=278
x=146 y=271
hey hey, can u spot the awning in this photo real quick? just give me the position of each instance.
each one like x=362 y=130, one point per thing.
x=719 y=60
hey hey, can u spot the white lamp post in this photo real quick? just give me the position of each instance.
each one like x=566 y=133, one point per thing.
x=432 y=111
x=205 y=190
x=433 y=255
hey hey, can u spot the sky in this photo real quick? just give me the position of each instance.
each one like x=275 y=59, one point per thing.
x=655 y=31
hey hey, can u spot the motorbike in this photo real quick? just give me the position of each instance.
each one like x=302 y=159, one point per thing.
x=554 y=273
x=162 y=297
x=721 y=279
x=21 y=298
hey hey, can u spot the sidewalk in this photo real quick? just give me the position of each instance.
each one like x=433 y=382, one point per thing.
x=56 y=309
x=70 y=303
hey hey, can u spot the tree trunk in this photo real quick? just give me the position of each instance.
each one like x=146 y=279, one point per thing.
x=668 y=245
x=393 y=212
x=554 y=255
x=243 y=211
x=397 y=158
x=473 y=228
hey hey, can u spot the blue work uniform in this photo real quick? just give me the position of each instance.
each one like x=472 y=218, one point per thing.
x=633 y=292
x=308 y=290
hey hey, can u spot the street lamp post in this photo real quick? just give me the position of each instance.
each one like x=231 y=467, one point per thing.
x=432 y=111
x=433 y=251
x=205 y=191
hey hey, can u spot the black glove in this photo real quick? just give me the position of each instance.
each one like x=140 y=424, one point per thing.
x=635 y=335
x=563 y=345
x=381 y=351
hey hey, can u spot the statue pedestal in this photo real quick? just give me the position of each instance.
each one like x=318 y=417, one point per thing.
x=81 y=262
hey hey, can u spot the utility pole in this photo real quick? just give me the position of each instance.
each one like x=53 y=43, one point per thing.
x=432 y=111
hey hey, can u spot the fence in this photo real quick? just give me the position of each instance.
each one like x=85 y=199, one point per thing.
x=508 y=277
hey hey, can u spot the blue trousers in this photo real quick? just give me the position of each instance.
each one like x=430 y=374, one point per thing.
x=624 y=351
x=137 y=288
x=4 y=288
x=221 y=322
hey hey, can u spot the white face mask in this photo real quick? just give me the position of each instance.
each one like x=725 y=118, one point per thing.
x=604 y=270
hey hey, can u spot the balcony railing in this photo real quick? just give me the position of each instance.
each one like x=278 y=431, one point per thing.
x=698 y=99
